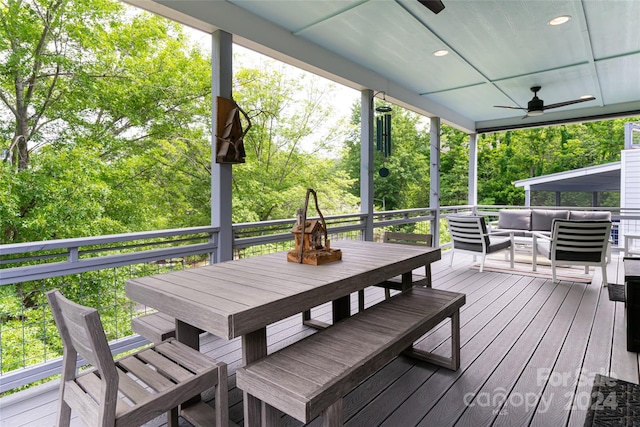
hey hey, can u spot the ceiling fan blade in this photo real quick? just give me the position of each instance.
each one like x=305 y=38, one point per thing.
x=510 y=106
x=435 y=6
x=562 y=104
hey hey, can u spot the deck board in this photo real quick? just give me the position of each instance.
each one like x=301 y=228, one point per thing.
x=521 y=338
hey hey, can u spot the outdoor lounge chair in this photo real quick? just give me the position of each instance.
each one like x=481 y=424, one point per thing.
x=574 y=242
x=136 y=388
x=469 y=234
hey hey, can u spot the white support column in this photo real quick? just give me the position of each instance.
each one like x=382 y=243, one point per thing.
x=527 y=195
x=473 y=170
x=434 y=176
x=221 y=174
x=366 y=161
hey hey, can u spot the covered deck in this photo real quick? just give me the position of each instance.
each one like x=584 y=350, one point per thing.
x=529 y=351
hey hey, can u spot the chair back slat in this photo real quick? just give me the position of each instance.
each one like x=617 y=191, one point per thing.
x=81 y=329
x=468 y=229
x=580 y=240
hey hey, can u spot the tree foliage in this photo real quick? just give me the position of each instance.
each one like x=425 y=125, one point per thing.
x=407 y=184
x=103 y=109
x=289 y=115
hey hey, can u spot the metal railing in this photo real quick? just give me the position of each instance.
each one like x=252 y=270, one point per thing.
x=93 y=271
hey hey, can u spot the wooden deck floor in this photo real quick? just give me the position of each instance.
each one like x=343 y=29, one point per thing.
x=529 y=351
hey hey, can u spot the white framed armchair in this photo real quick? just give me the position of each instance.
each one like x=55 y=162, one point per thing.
x=574 y=242
x=469 y=234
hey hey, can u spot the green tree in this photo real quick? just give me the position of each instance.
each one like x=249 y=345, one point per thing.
x=454 y=167
x=289 y=118
x=407 y=185
x=99 y=104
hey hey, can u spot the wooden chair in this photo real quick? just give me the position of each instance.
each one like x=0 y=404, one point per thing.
x=136 y=388
x=469 y=234
x=396 y=283
x=574 y=242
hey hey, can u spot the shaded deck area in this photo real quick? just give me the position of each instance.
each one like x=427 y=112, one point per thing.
x=529 y=350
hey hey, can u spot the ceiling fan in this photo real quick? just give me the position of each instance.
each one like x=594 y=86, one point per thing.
x=434 y=6
x=536 y=106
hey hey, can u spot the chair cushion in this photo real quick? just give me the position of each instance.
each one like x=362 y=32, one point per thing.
x=541 y=219
x=514 y=219
x=474 y=247
x=578 y=256
x=543 y=247
x=590 y=215
x=498 y=243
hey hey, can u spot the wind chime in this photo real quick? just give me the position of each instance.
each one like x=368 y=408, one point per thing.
x=383 y=135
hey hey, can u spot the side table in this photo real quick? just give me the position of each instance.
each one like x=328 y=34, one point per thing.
x=628 y=244
x=632 y=304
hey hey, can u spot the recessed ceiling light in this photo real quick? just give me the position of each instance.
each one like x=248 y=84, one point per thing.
x=441 y=52
x=559 y=20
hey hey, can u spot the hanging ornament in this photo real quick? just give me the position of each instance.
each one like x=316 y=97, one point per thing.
x=383 y=135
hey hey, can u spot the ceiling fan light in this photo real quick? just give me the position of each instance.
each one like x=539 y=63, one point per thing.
x=534 y=113
x=559 y=20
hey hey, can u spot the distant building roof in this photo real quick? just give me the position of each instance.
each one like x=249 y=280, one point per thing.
x=593 y=178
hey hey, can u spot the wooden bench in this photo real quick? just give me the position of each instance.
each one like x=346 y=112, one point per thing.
x=310 y=377
x=156 y=327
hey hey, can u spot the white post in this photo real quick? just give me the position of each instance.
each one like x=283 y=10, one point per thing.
x=473 y=170
x=434 y=176
x=366 y=161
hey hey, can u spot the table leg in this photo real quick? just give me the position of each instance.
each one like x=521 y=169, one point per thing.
x=407 y=281
x=188 y=335
x=534 y=254
x=254 y=347
x=341 y=308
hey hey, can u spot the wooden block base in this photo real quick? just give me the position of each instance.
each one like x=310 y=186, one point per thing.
x=315 y=257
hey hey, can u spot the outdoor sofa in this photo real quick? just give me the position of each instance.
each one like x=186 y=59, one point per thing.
x=525 y=221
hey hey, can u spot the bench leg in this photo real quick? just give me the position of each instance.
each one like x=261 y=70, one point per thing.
x=270 y=416
x=455 y=341
x=172 y=418
x=332 y=416
x=254 y=347
x=189 y=335
x=452 y=362
x=222 y=396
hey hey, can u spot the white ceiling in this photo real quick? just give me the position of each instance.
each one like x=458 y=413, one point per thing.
x=498 y=50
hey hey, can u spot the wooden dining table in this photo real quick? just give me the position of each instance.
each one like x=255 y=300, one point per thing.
x=239 y=298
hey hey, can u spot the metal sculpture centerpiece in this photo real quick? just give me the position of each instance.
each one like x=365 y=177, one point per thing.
x=312 y=245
